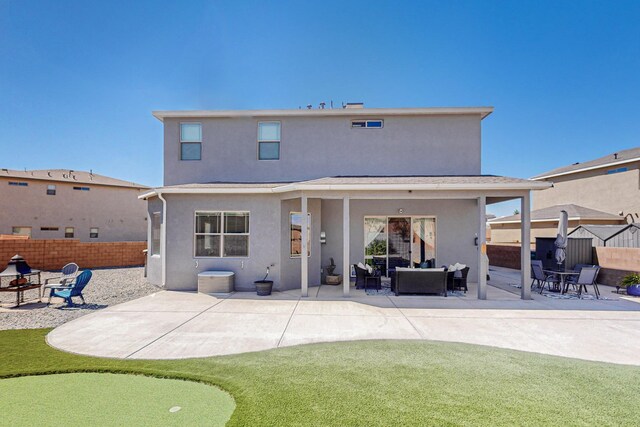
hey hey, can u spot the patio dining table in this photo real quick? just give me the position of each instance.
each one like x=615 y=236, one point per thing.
x=20 y=289
x=562 y=274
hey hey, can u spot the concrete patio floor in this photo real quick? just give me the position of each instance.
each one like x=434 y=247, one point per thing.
x=172 y=325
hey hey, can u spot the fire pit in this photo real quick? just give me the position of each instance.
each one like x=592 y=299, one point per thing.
x=17 y=271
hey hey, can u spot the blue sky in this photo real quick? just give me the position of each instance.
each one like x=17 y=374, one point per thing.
x=78 y=79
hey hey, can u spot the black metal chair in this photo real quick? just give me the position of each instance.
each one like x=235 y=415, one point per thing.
x=586 y=277
x=542 y=278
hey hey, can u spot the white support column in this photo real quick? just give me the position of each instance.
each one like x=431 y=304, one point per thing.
x=482 y=247
x=346 y=267
x=304 y=259
x=525 y=252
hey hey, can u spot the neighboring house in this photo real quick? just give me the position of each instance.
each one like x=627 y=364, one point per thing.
x=544 y=222
x=247 y=190
x=67 y=204
x=609 y=184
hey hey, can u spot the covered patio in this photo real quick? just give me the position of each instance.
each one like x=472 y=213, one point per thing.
x=457 y=205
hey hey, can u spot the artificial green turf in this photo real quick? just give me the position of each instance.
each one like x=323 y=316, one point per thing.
x=383 y=383
x=111 y=399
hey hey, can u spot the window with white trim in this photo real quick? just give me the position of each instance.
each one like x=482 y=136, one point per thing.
x=155 y=233
x=295 y=234
x=222 y=234
x=69 y=232
x=94 y=232
x=268 y=140
x=21 y=231
x=190 y=141
x=51 y=190
x=367 y=124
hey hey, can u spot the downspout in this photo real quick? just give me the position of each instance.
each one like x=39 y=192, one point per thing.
x=163 y=242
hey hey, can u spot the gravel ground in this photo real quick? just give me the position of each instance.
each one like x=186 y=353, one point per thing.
x=107 y=287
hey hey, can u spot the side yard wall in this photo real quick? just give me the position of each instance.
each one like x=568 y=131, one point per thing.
x=54 y=254
x=615 y=263
x=502 y=255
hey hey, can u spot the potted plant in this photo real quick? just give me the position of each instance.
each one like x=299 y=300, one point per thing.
x=632 y=283
x=264 y=286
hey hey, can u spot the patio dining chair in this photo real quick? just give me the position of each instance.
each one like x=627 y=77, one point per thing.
x=542 y=278
x=73 y=289
x=586 y=277
x=69 y=273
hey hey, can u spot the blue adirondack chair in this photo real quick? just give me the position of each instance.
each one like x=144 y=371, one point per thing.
x=74 y=289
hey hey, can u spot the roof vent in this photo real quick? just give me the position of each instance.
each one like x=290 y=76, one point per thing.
x=615 y=156
x=354 y=105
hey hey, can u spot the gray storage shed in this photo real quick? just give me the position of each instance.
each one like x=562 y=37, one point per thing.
x=613 y=236
x=579 y=251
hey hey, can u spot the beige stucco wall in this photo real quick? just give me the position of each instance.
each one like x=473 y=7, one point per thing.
x=314 y=147
x=116 y=211
x=614 y=193
x=457 y=223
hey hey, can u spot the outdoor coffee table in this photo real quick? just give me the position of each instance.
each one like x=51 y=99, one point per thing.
x=19 y=289
x=563 y=274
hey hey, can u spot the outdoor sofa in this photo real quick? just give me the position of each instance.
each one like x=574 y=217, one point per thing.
x=420 y=281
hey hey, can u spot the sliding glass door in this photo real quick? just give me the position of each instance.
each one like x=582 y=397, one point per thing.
x=406 y=241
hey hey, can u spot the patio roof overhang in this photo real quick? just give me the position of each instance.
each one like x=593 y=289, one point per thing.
x=358 y=184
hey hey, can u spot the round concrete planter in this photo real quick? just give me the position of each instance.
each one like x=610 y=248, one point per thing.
x=633 y=290
x=263 y=287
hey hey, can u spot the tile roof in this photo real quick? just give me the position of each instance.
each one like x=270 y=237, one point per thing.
x=70 y=176
x=355 y=183
x=415 y=179
x=349 y=112
x=622 y=157
x=553 y=213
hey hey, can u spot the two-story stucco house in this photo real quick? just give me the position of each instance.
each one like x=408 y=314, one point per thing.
x=69 y=204
x=247 y=190
x=610 y=184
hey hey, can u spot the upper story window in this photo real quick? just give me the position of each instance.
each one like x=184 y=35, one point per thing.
x=69 y=232
x=51 y=190
x=190 y=141
x=21 y=231
x=19 y=184
x=368 y=124
x=618 y=170
x=268 y=140
x=49 y=228
x=81 y=188
x=94 y=232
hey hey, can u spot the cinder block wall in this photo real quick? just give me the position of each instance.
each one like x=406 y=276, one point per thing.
x=54 y=254
x=507 y=256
